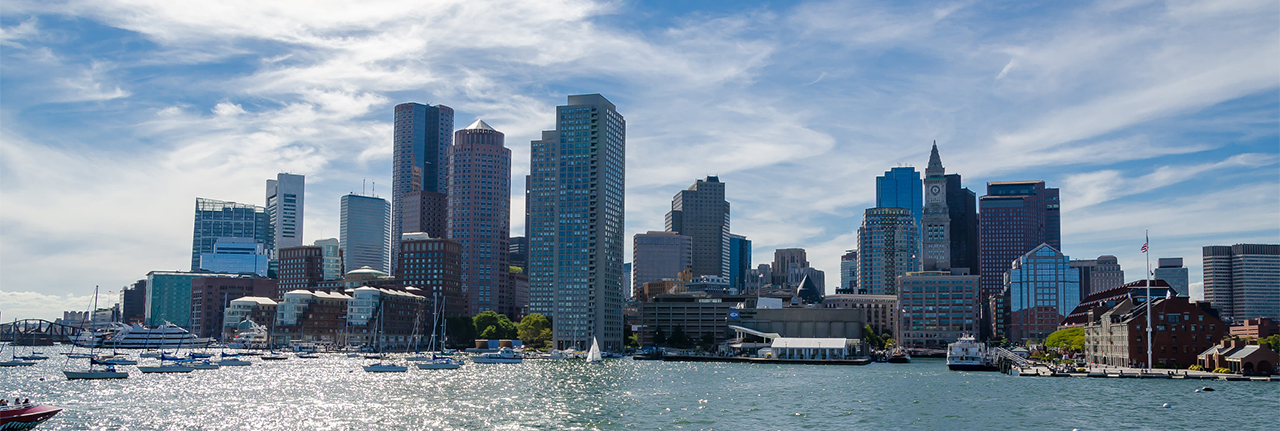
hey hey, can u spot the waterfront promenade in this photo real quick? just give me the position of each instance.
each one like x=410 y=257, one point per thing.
x=1107 y=371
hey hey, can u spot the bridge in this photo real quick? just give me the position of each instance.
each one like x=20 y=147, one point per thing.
x=1007 y=360
x=36 y=332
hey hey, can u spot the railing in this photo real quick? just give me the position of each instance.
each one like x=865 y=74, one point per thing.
x=1004 y=354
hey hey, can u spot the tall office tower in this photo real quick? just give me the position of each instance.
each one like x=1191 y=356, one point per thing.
x=221 y=219
x=962 y=208
x=1242 y=281
x=900 y=187
x=1040 y=289
x=739 y=261
x=888 y=246
x=331 y=255
x=702 y=213
x=435 y=266
x=1099 y=274
x=519 y=252
x=576 y=221
x=479 y=215
x=657 y=256
x=1170 y=270
x=365 y=235
x=1015 y=217
x=284 y=210
x=784 y=258
x=301 y=267
x=236 y=256
x=422 y=137
x=848 y=273
x=627 y=291
x=425 y=212
x=936 y=222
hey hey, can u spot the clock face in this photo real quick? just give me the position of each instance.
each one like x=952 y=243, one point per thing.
x=935 y=189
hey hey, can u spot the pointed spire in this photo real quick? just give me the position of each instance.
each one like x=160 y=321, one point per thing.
x=935 y=163
x=480 y=125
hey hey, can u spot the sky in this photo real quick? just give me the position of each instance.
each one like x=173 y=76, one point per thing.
x=1149 y=116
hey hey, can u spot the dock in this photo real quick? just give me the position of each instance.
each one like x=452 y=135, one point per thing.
x=1041 y=370
x=747 y=360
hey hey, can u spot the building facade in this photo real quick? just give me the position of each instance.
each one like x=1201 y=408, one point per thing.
x=1243 y=280
x=901 y=187
x=881 y=310
x=739 y=261
x=1097 y=275
x=421 y=142
x=962 y=208
x=331 y=258
x=365 y=223
x=1170 y=270
x=169 y=296
x=236 y=256
x=384 y=318
x=848 y=273
x=434 y=266
x=300 y=267
x=702 y=213
x=479 y=217
x=576 y=222
x=425 y=211
x=1016 y=217
x=133 y=303
x=888 y=246
x=216 y=219
x=656 y=256
x=937 y=308
x=1116 y=335
x=311 y=317
x=1040 y=290
x=210 y=297
x=285 y=197
x=935 y=233
x=696 y=315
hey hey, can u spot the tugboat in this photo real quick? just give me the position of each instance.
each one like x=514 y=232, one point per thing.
x=967 y=354
x=24 y=416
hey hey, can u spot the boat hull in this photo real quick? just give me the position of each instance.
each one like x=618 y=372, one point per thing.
x=16 y=363
x=386 y=368
x=94 y=375
x=167 y=369
x=233 y=362
x=26 y=418
x=438 y=366
x=482 y=360
x=970 y=367
x=898 y=360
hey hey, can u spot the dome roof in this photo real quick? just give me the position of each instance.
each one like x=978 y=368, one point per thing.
x=365 y=270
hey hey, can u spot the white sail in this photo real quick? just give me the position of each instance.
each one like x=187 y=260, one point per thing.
x=593 y=355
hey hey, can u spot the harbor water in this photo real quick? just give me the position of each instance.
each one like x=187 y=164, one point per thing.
x=333 y=393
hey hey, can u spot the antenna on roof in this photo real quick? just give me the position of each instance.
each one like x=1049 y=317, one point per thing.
x=363 y=189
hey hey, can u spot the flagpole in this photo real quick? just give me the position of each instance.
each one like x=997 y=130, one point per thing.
x=1147 y=251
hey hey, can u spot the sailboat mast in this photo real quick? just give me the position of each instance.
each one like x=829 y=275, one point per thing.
x=1147 y=251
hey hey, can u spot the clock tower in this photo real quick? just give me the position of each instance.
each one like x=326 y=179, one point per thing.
x=936 y=221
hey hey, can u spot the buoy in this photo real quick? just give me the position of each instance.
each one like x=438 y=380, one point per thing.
x=1207 y=389
x=1166 y=405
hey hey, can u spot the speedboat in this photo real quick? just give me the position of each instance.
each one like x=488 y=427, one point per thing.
x=899 y=356
x=25 y=416
x=504 y=356
x=967 y=354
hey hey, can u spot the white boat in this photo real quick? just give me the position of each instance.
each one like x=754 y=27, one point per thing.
x=13 y=360
x=593 y=355
x=204 y=365
x=233 y=362
x=385 y=368
x=307 y=355
x=967 y=354
x=255 y=337
x=273 y=356
x=151 y=354
x=116 y=360
x=504 y=356
x=441 y=364
x=98 y=368
x=108 y=373
x=174 y=368
x=135 y=336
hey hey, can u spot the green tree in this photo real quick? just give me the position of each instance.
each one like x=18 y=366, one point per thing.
x=873 y=340
x=530 y=329
x=659 y=337
x=633 y=341
x=494 y=325
x=1273 y=342
x=461 y=332
x=1070 y=339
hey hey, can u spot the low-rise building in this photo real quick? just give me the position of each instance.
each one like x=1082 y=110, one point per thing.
x=210 y=297
x=881 y=310
x=803 y=322
x=1240 y=356
x=1255 y=328
x=312 y=317
x=383 y=318
x=1181 y=328
x=695 y=314
x=1079 y=317
x=259 y=310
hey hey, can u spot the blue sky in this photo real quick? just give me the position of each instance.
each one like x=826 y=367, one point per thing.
x=114 y=116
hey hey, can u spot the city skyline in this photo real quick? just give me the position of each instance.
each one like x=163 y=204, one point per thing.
x=1166 y=121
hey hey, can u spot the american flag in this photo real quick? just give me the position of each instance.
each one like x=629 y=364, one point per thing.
x=1144 y=245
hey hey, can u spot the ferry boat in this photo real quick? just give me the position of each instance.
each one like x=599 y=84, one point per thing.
x=135 y=336
x=25 y=416
x=967 y=354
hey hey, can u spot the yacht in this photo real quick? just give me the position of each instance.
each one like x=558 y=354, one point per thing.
x=135 y=336
x=967 y=354
x=504 y=356
x=255 y=337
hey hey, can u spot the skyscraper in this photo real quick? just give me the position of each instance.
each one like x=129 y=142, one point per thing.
x=848 y=273
x=1015 y=217
x=888 y=247
x=576 y=221
x=1242 y=281
x=1040 y=289
x=702 y=213
x=739 y=261
x=936 y=222
x=216 y=219
x=422 y=137
x=1170 y=270
x=479 y=215
x=962 y=208
x=284 y=211
x=1099 y=274
x=365 y=235
x=900 y=187
x=658 y=256
x=331 y=252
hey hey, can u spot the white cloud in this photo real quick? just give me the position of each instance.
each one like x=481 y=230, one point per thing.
x=19 y=305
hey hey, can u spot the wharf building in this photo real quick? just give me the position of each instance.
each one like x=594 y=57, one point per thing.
x=479 y=217
x=1097 y=275
x=308 y=268
x=576 y=219
x=1040 y=289
x=215 y=219
x=257 y=309
x=133 y=303
x=702 y=214
x=434 y=265
x=1243 y=280
x=236 y=256
x=365 y=224
x=888 y=247
x=739 y=261
x=1079 y=317
x=1255 y=328
x=765 y=316
x=696 y=316
x=421 y=142
x=848 y=273
x=285 y=198
x=1240 y=356
x=1116 y=335
x=881 y=310
x=1017 y=216
x=937 y=308
x=657 y=256
x=311 y=317
x=383 y=317
x=1170 y=270
x=210 y=297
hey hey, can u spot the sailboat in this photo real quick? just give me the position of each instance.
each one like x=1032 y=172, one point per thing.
x=438 y=362
x=33 y=355
x=105 y=370
x=174 y=364
x=383 y=367
x=593 y=355
x=272 y=355
x=13 y=360
x=417 y=351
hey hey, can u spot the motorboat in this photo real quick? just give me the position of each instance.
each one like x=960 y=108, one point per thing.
x=233 y=362
x=307 y=355
x=967 y=354
x=204 y=365
x=651 y=353
x=504 y=356
x=108 y=373
x=274 y=356
x=25 y=416
x=385 y=368
x=898 y=356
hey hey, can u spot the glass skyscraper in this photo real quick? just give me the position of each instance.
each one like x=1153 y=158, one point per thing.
x=479 y=217
x=576 y=223
x=221 y=219
x=1015 y=217
x=422 y=138
x=1040 y=289
x=365 y=238
x=901 y=187
x=888 y=246
x=739 y=261
x=284 y=211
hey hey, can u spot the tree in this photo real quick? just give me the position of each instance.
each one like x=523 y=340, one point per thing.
x=530 y=329
x=500 y=324
x=659 y=337
x=1070 y=339
x=630 y=338
x=873 y=340
x=1273 y=342
x=461 y=331
x=679 y=339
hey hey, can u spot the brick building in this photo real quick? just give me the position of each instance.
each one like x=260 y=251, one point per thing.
x=210 y=297
x=1117 y=335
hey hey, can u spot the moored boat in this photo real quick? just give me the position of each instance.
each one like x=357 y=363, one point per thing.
x=504 y=356
x=967 y=354
x=898 y=356
x=136 y=336
x=174 y=368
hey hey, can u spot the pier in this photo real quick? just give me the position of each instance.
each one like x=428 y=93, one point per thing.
x=1097 y=371
x=749 y=360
